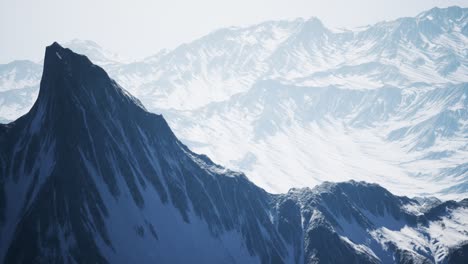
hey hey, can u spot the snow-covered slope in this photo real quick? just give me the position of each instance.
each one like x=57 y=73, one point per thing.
x=89 y=176
x=298 y=104
x=385 y=104
x=411 y=141
x=428 y=48
x=19 y=84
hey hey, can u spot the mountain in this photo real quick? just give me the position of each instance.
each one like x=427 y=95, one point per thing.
x=305 y=52
x=94 y=52
x=386 y=104
x=88 y=175
x=297 y=103
x=410 y=141
x=19 y=80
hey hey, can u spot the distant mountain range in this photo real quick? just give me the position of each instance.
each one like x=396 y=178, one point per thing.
x=88 y=175
x=294 y=104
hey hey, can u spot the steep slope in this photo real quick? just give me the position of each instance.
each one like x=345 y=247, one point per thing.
x=88 y=175
x=105 y=173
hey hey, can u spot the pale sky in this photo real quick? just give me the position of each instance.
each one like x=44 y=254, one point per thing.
x=139 y=28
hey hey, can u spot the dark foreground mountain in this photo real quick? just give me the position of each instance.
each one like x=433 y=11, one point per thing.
x=89 y=176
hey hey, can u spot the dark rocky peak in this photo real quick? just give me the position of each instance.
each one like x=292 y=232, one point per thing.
x=71 y=79
x=74 y=91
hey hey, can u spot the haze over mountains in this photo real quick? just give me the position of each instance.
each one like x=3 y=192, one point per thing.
x=88 y=175
x=293 y=103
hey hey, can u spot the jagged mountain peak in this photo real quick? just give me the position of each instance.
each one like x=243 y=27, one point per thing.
x=56 y=54
x=62 y=75
x=73 y=78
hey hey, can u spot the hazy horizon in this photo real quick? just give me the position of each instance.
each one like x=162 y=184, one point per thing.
x=135 y=30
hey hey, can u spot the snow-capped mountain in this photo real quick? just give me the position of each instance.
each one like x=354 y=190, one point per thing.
x=89 y=176
x=19 y=82
x=296 y=103
x=428 y=48
x=94 y=52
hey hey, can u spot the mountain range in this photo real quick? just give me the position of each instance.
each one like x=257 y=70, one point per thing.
x=294 y=104
x=88 y=175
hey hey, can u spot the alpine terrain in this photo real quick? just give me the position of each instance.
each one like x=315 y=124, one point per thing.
x=294 y=103
x=89 y=176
